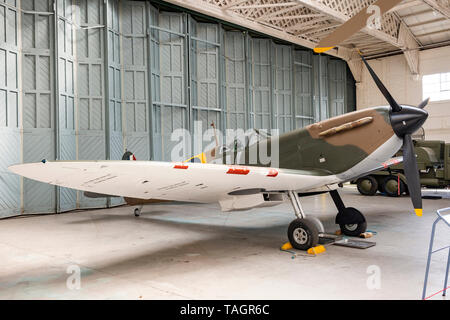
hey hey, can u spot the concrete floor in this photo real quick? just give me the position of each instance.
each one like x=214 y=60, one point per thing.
x=194 y=251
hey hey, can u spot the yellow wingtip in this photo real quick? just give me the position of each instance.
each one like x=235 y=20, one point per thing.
x=322 y=49
x=418 y=212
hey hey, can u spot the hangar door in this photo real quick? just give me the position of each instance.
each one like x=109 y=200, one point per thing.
x=89 y=79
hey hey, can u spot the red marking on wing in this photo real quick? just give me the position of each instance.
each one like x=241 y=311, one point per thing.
x=272 y=173
x=389 y=163
x=180 y=166
x=238 y=170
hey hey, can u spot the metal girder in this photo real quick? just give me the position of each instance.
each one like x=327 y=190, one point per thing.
x=440 y=7
x=266 y=16
x=305 y=22
x=219 y=12
x=405 y=5
x=354 y=62
x=410 y=48
x=341 y=17
x=233 y=4
x=403 y=40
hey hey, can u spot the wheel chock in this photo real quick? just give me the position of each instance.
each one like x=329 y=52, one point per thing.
x=286 y=246
x=316 y=250
x=366 y=235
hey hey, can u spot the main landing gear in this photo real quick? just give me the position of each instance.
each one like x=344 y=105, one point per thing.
x=303 y=232
x=351 y=221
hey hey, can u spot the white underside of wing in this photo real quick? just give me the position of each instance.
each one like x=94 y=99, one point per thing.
x=194 y=182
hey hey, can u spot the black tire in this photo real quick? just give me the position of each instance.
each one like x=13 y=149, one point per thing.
x=352 y=222
x=367 y=185
x=390 y=186
x=303 y=234
x=137 y=212
x=353 y=230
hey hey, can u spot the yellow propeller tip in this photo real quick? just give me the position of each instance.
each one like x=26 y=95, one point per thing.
x=322 y=49
x=418 y=212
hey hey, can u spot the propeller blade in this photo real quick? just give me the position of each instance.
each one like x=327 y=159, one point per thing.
x=412 y=174
x=423 y=103
x=394 y=105
x=354 y=24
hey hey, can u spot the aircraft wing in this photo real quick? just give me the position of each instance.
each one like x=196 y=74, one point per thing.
x=194 y=182
x=387 y=164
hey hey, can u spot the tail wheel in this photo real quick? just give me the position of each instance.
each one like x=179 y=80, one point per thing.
x=367 y=185
x=303 y=234
x=391 y=186
x=128 y=156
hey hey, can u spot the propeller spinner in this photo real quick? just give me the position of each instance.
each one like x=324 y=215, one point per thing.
x=405 y=120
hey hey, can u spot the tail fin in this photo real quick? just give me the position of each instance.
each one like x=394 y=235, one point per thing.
x=128 y=155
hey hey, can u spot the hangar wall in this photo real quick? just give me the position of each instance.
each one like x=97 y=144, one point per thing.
x=394 y=72
x=87 y=79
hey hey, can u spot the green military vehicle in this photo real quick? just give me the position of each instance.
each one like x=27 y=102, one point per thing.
x=433 y=161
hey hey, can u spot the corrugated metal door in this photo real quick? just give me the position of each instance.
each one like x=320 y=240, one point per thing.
x=204 y=66
x=38 y=102
x=260 y=84
x=10 y=150
x=282 y=87
x=337 y=85
x=235 y=86
x=136 y=125
x=90 y=123
x=303 y=79
x=170 y=109
x=67 y=148
x=115 y=123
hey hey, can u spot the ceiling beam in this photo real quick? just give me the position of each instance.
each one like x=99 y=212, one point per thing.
x=268 y=15
x=410 y=48
x=341 y=17
x=405 y=5
x=233 y=4
x=303 y=16
x=217 y=12
x=440 y=7
x=404 y=40
x=266 y=5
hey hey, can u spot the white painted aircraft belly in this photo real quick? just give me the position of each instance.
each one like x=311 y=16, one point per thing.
x=160 y=180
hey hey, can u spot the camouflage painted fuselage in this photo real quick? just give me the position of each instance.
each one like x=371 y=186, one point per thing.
x=306 y=149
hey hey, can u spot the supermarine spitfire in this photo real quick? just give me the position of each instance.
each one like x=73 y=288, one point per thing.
x=314 y=159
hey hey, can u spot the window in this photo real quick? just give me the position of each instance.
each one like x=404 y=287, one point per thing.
x=436 y=86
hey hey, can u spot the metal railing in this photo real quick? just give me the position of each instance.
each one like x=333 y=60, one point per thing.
x=446 y=219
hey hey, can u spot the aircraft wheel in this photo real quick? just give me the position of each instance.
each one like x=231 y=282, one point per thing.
x=390 y=186
x=353 y=229
x=137 y=212
x=367 y=185
x=354 y=222
x=303 y=234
